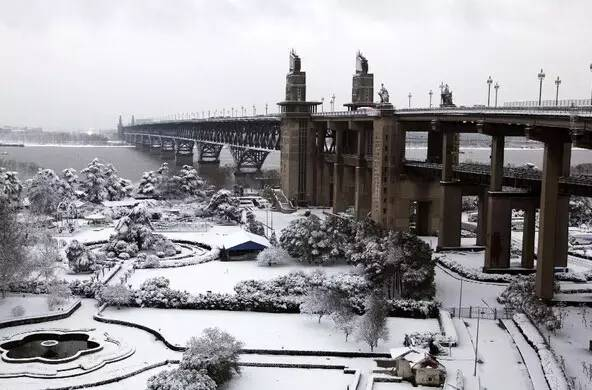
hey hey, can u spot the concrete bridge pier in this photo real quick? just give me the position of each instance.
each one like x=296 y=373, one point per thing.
x=146 y=143
x=553 y=224
x=338 y=193
x=482 y=203
x=167 y=151
x=451 y=195
x=184 y=152
x=362 y=184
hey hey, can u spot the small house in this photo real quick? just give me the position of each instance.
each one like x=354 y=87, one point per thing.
x=418 y=367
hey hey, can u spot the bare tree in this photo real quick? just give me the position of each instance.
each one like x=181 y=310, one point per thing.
x=371 y=327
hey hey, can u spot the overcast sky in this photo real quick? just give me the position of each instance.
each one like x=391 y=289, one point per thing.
x=79 y=64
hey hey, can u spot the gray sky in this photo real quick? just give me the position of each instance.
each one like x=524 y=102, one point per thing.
x=78 y=64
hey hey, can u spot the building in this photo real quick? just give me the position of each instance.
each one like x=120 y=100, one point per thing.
x=241 y=244
x=418 y=367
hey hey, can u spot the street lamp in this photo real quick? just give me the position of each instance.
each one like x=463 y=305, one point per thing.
x=332 y=102
x=590 y=88
x=431 y=93
x=322 y=104
x=557 y=83
x=242 y=110
x=265 y=108
x=481 y=312
x=409 y=96
x=254 y=110
x=489 y=82
x=496 y=87
x=541 y=77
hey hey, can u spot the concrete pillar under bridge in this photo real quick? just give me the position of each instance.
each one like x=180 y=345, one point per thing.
x=155 y=144
x=552 y=228
x=338 y=190
x=362 y=182
x=451 y=195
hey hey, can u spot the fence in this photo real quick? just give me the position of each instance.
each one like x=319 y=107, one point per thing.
x=486 y=313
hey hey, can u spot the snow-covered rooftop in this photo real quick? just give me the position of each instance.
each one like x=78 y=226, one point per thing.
x=239 y=238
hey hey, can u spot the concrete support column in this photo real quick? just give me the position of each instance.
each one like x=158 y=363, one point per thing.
x=528 y=231
x=338 y=198
x=449 y=156
x=450 y=215
x=562 y=221
x=434 y=154
x=482 y=219
x=547 y=248
x=361 y=198
x=497 y=163
x=499 y=232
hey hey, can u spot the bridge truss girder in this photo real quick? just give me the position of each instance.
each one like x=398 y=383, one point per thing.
x=248 y=158
x=209 y=153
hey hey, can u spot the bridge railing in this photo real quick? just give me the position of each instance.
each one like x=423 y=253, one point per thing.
x=580 y=111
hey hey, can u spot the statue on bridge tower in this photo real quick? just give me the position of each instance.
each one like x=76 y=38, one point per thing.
x=383 y=94
x=446 y=96
x=362 y=85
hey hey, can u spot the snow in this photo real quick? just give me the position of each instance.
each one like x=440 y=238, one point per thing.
x=448 y=328
x=529 y=355
x=222 y=276
x=34 y=305
x=288 y=379
x=551 y=368
x=266 y=330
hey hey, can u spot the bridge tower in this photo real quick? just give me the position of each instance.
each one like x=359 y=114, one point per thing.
x=297 y=136
x=362 y=85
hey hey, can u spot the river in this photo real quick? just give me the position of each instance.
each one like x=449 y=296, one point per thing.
x=131 y=163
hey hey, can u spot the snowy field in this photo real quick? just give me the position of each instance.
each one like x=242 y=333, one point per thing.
x=34 y=305
x=222 y=276
x=571 y=343
x=265 y=330
x=288 y=379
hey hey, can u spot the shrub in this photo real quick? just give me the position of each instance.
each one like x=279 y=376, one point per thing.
x=272 y=256
x=117 y=295
x=57 y=295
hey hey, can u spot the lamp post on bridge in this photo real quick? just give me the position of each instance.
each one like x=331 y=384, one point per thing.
x=489 y=82
x=242 y=110
x=254 y=110
x=496 y=87
x=332 y=102
x=266 y=108
x=557 y=83
x=322 y=104
x=541 y=77
x=431 y=93
x=590 y=88
x=409 y=96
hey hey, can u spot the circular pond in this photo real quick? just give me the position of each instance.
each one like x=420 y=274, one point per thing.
x=48 y=347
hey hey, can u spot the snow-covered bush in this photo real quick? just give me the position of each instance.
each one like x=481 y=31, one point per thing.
x=46 y=190
x=178 y=379
x=272 y=256
x=80 y=259
x=519 y=296
x=580 y=211
x=253 y=225
x=471 y=273
x=17 y=311
x=100 y=182
x=216 y=352
x=307 y=240
x=208 y=362
x=70 y=176
x=117 y=295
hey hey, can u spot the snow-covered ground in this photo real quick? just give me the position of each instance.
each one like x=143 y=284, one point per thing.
x=222 y=276
x=288 y=379
x=34 y=305
x=265 y=330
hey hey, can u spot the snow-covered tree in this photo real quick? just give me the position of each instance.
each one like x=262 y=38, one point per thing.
x=216 y=352
x=371 y=326
x=179 y=379
x=57 y=294
x=80 y=259
x=223 y=206
x=15 y=262
x=580 y=211
x=306 y=239
x=70 y=176
x=46 y=191
x=10 y=186
x=100 y=182
x=253 y=225
x=344 y=321
x=189 y=181
x=116 y=295
x=272 y=256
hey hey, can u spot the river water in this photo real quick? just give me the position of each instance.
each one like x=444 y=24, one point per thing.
x=131 y=163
